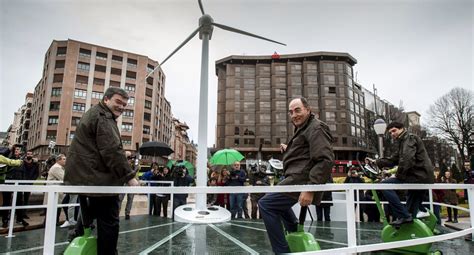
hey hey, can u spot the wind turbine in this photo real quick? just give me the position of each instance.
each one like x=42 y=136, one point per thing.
x=205 y=28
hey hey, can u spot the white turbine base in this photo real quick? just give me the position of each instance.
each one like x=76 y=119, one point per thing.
x=189 y=214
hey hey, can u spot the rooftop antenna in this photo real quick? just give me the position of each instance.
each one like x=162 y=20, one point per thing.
x=201 y=214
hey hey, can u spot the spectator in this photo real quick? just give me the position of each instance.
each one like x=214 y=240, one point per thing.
x=14 y=173
x=5 y=164
x=181 y=178
x=451 y=198
x=152 y=175
x=212 y=198
x=373 y=214
x=237 y=178
x=130 y=196
x=354 y=177
x=222 y=180
x=257 y=178
x=162 y=199
x=56 y=173
x=438 y=196
x=324 y=209
x=30 y=170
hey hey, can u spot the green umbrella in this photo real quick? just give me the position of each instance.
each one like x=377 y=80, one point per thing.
x=170 y=164
x=188 y=166
x=226 y=157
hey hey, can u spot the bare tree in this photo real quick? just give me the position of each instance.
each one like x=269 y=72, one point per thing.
x=452 y=117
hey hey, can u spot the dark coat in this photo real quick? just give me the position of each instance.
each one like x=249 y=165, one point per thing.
x=450 y=195
x=414 y=165
x=309 y=157
x=96 y=156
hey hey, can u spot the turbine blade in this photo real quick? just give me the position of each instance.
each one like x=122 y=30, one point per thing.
x=179 y=47
x=235 y=30
x=202 y=8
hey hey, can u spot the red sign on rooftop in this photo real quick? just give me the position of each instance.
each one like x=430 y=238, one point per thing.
x=275 y=55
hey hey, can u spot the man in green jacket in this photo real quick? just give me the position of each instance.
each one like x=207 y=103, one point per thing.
x=96 y=158
x=414 y=166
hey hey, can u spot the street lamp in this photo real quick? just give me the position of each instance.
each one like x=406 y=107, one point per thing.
x=379 y=127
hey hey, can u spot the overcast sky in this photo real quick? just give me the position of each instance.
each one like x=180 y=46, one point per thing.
x=413 y=51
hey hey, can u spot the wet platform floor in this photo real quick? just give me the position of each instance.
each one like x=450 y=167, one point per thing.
x=144 y=234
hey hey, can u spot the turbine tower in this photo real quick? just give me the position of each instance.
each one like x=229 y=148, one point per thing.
x=201 y=214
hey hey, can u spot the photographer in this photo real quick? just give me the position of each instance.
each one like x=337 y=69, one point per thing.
x=162 y=199
x=181 y=178
x=152 y=175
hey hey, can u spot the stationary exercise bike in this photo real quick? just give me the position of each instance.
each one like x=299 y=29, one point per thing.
x=416 y=229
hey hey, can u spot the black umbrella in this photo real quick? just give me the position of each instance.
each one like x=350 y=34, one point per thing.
x=155 y=149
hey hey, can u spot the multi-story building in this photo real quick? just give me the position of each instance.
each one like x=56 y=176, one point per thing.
x=12 y=129
x=254 y=92
x=183 y=148
x=24 y=121
x=75 y=77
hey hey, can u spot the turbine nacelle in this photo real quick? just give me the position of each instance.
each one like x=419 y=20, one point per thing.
x=206 y=24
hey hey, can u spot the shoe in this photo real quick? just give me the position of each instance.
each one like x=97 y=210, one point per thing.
x=455 y=221
x=401 y=221
x=449 y=220
x=127 y=217
x=422 y=214
x=65 y=224
x=23 y=222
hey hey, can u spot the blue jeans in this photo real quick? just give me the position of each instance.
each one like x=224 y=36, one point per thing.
x=414 y=200
x=236 y=201
x=275 y=208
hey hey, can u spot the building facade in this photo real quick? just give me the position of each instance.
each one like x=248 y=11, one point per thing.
x=24 y=121
x=254 y=93
x=75 y=77
x=183 y=148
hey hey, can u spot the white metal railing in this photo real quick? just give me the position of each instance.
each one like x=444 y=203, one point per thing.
x=349 y=189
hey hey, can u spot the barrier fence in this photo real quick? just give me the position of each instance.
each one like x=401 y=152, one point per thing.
x=349 y=189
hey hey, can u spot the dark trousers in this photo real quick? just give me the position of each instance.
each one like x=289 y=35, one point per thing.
x=414 y=200
x=178 y=201
x=152 y=205
x=450 y=213
x=323 y=210
x=106 y=211
x=161 y=202
x=275 y=208
x=7 y=201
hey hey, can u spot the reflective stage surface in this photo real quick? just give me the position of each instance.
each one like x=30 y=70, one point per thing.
x=154 y=235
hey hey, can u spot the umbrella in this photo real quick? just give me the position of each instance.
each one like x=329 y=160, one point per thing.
x=155 y=149
x=188 y=166
x=226 y=157
x=170 y=163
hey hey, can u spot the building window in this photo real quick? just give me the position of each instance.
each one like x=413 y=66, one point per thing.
x=71 y=135
x=97 y=95
x=75 y=121
x=56 y=92
x=115 y=71
x=101 y=55
x=132 y=63
x=131 y=100
x=100 y=82
x=80 y=93
x=84 y=53
x=328 y=67
x=147 y=104
x=54 y=106
x=81 y=66
x=146 y=130
x=129 y=87
x=61 y=51
x=344 y=140
x=53 y=120
x=149 y=92
x=100 y=68
x=51 y=135
x=127 y=127
x=59 y=64
x=236 y=131
x=149 y=68
x=117 y=59
x=114 y=84
x=127 y=113
x=131 y=75
x=58 y=78
x=236 y=141
x=82 y=80
x=78 y=107
x=126 y=140
x=330 y=116
x=147 y=116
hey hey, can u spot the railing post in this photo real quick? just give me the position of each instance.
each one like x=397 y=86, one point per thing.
x=12 y=213
x=351 y=224
x=50 y=224
x=171 y=201
x=430 y=190
x=470 y=194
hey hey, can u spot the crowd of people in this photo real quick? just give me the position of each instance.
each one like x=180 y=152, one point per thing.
x=96 y=158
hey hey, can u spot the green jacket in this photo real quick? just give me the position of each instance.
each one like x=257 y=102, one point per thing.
x=414 y=165
x=4 y=166
x=96 y=155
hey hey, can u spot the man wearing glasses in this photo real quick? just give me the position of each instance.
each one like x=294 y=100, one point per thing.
x=96 y=158
x=307 y=159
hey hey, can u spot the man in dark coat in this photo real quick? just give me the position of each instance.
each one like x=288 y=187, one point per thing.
x=307 y=159
x=414 y=166
x=96 y=158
